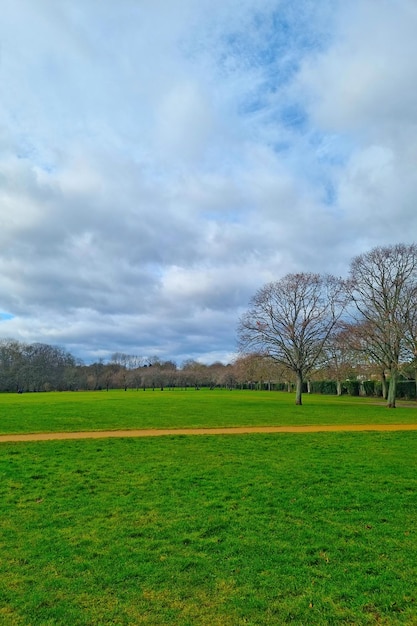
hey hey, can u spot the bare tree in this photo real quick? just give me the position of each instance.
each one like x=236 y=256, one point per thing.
x=384 y=290
x=256 y=370
x=368 y=357
x=411 y=340
x=291 y=320
x=340 y=359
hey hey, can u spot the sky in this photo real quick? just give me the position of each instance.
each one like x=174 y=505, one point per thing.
x=161 y=160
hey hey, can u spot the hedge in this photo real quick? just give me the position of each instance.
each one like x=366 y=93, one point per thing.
x=406 y=389
x=352 y=387
x=328 y=387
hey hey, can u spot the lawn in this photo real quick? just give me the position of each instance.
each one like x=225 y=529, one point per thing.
x=72 y=411
x=204 y=531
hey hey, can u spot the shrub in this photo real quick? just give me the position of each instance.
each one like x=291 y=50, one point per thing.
x=352 y=387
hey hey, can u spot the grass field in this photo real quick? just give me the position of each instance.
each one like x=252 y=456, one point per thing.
x=302 y=529
x=71 y=411
x=307 y=529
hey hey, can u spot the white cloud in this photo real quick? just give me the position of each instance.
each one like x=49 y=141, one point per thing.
x=160 y=161
x=362 y=84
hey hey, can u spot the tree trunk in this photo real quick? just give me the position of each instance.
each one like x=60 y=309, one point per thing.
x=392 y=389
x=384 y=385
x=299 y=389
x=339 y=387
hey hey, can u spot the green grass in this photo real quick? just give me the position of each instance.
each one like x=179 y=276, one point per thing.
x=69 y=411
x=203 y=531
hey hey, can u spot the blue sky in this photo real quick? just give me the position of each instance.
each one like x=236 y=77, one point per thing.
x=160 y=161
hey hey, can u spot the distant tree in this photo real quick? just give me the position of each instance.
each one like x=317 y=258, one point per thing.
x=255 y=370
x=340 y=359
x=218 y=374
x=45 y=366
x=96 y=373
x=226 y=377
x=128 y=361
x=290 y=321
x=194 y=373
x=367 y=353
x=113 y=375
x=411 y=342
x=12 y=365
x=383 y=286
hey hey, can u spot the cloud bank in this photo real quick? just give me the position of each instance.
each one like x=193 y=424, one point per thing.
x=159 y=162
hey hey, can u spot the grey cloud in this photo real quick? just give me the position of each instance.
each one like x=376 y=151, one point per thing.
x=160 y=161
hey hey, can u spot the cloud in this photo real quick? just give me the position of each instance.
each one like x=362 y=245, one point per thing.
x=361 y=84
x=159 y=162
x=359 y=93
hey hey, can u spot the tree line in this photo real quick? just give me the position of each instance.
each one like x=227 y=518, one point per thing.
x=297 y=331
x=41 y=367
x=305 y=323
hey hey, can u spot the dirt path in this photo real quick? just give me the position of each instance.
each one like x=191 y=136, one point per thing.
x=103 y=434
